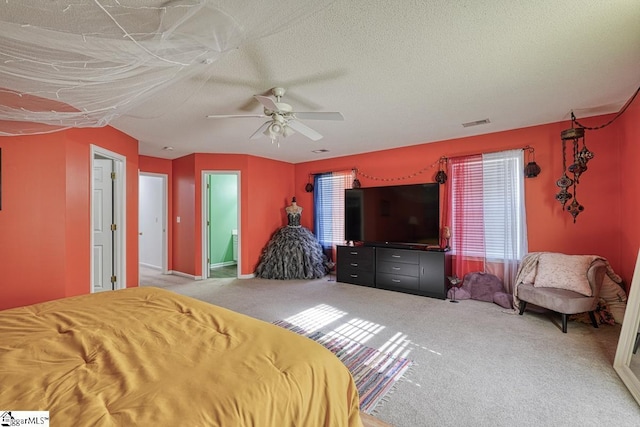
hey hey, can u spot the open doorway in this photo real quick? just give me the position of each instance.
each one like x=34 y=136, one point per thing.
x=108 y=225
x=152 y=225
x=221 y=224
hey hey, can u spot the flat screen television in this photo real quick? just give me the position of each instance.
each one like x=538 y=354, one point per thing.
x=393 y=215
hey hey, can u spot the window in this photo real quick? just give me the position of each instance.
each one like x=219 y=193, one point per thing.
x=487 y=212
x=329 y=206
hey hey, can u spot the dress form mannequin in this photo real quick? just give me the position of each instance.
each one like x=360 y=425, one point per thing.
x=293 y=208
x=293 y=252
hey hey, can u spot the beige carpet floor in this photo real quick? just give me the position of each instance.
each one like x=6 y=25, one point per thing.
x=476 y=364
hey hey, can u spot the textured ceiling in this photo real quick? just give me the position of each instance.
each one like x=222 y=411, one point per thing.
x=404 y=73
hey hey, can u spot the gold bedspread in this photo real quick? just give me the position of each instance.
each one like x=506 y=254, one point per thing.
x=147 y=357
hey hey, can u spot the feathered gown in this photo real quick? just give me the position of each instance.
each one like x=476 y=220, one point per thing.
x=292 y=253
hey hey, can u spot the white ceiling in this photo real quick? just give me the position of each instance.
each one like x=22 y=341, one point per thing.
x=404 y=73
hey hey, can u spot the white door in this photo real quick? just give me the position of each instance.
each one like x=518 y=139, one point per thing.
x=151 y=221
x=102 y=221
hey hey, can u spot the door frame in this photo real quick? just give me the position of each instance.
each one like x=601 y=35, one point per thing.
x=205 y=216
x=119 y=217
x=165 y=216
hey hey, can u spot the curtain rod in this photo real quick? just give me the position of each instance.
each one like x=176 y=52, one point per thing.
x=441 y=159
x=525 y=148
x=340 y=170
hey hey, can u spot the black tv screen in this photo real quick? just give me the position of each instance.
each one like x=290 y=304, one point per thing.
x=399 y=214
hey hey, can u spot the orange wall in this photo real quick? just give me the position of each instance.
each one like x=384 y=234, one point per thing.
x=266 y=187
x=271 y=187
x=45 y=216
x=184 y=234
x=32 y=220
x=628 y=139
x=598 y=228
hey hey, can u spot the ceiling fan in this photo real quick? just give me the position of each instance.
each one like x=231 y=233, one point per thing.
x=283 y=121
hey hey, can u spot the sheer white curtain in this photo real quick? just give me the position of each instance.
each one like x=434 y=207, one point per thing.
x=505 y=220
x=487 y=214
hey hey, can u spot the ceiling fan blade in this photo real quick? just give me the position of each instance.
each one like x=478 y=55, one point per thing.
x=304 y=130
x=234 y=116
x=258 y=134
x=267 y=102
x=319 y=115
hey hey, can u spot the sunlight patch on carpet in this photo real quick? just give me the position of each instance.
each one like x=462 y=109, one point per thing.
x=316 y=317
x=374 y=372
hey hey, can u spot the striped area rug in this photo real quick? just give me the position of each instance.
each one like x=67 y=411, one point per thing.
x=375 y=373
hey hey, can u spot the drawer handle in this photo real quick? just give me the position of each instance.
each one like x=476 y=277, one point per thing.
x=395 y=256
x=354 y=275
x=354 y=264
x=395 y=268
x=395 y=280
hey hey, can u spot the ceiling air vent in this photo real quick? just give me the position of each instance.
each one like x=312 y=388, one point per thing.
x=476 y=123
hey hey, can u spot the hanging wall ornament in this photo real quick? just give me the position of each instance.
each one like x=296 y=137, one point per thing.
x=441 y=175
x=356 y=181
x=583 y=155
x=564 y=182
x=532 y=169
x=309 y=187
x=575 y=207
x=580 y=157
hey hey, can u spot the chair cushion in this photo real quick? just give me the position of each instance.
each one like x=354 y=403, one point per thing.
x=559 y=300
x=562 y=271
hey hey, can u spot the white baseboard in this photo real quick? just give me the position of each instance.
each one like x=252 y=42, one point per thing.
x=155 y=267
x=246 y=276
x=181 y=274
x=222 y=264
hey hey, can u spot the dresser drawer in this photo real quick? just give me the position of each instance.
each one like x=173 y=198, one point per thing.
x=398 y=268
x=356 y=277
x=356 y=264
x=385 y=280
x=398 y=255
x=356 y=253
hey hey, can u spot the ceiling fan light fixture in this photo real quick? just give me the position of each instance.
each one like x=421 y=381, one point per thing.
x=283 y=120
x=275 y=129
x=287 y=131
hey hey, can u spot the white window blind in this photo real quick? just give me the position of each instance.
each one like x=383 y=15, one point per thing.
x=487 y=205
x=503 y=195
x=329 y=206
x=467 y=206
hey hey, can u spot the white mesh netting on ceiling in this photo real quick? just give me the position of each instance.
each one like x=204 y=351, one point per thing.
x=83 y=63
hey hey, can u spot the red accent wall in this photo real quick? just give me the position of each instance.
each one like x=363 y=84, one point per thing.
x=266 y=187
x=628 y=141
x=184 y=234
x=33 y=220
x=598 y=229
x=270 y=189
x=45 y=217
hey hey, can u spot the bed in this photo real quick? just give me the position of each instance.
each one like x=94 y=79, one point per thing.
x=148 y=356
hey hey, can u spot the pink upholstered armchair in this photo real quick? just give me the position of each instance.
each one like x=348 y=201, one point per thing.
x=566 y=284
